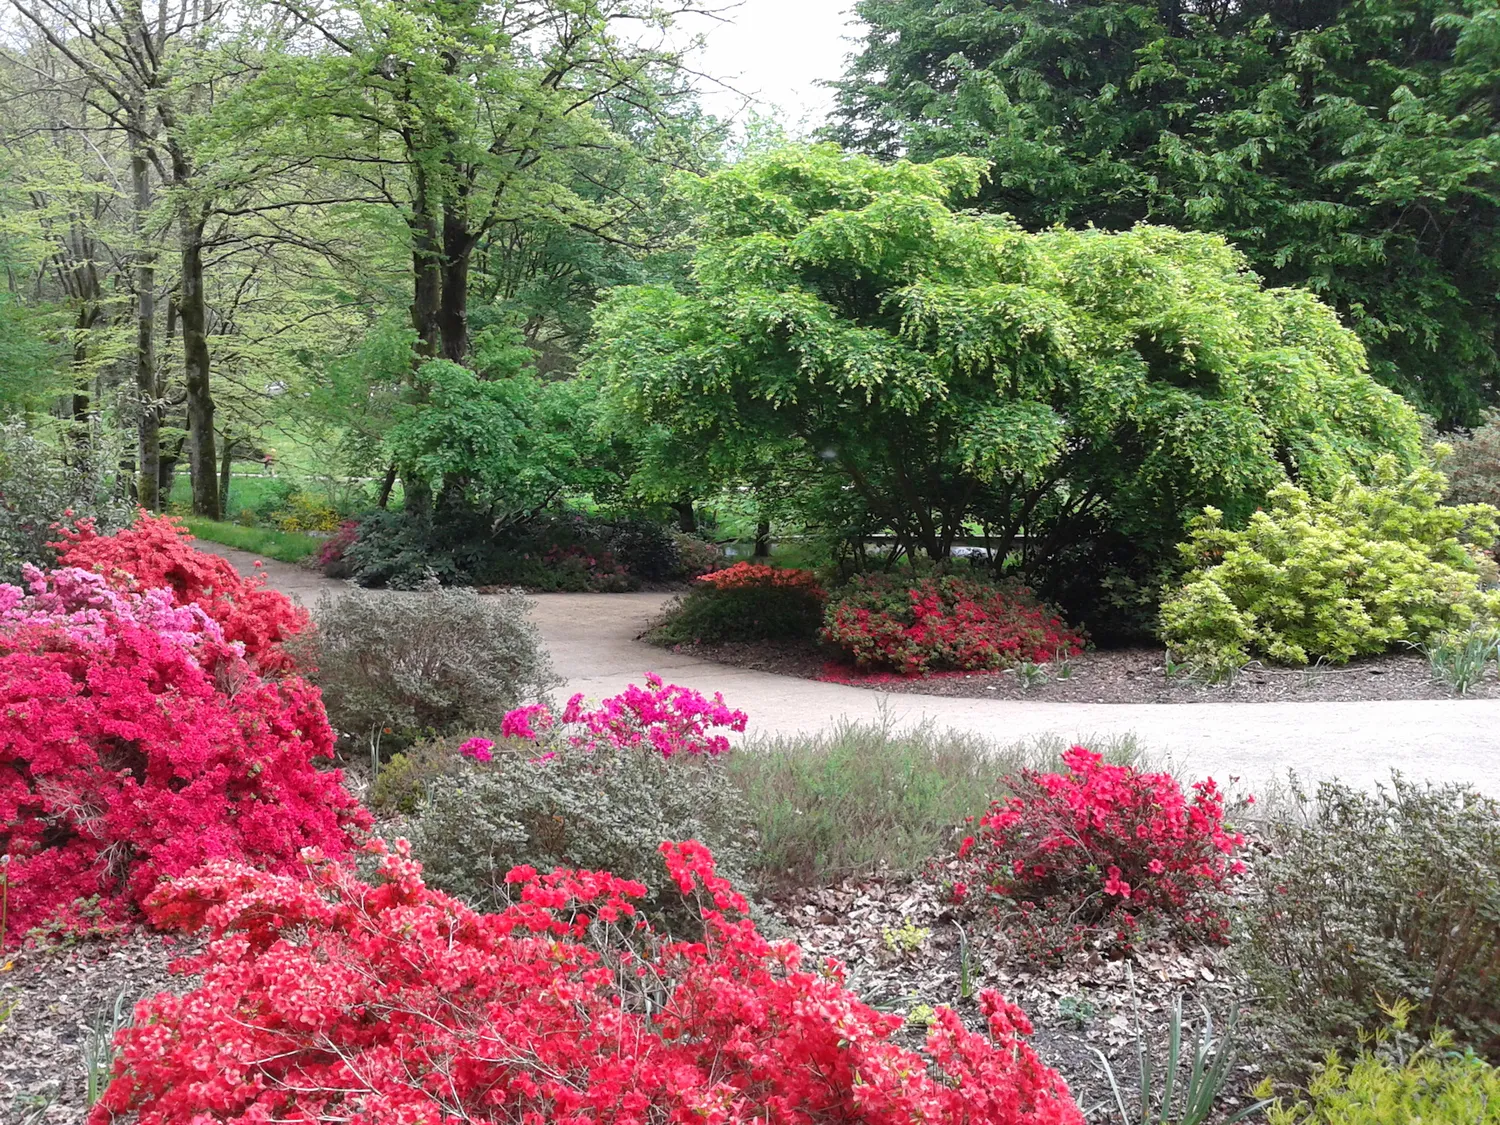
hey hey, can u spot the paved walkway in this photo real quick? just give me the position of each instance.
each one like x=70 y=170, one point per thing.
x=592 y=641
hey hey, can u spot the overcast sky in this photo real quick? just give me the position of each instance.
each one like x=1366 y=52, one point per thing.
x=776 y=51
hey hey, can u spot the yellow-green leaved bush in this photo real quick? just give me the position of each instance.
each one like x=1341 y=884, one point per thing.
x=1352 y=575
x=1435 y=1086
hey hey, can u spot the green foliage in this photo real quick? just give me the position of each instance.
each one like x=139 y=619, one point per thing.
x=395 y=668
x=1369 y=897
x=1433 y=1086
x=1349 y=148
x=604 y=809
x=1461 y=660
x=708 y=615
x=1333 y=579
x=920 y=369
x=870 y=797
x=284 y=546
x=41 y=481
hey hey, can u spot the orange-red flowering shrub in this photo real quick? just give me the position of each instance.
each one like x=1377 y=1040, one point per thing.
x=745 y=602
x=156 y=552
x=136 y=742
x=332 y=1000
x=1090 y=854
x=919 y=625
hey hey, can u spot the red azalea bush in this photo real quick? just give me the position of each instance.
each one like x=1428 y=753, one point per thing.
x=332 y=1000
x=1090 y=854
x=137 y=742
x=156 y=552
x=918 y=625
x=745 y=602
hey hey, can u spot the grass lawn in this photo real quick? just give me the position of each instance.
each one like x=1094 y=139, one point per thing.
x=285 y=546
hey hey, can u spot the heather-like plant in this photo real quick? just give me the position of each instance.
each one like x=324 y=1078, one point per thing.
x=1332 y=579
x=446 y=661
x=156 y=552
x=1472 y=463
x=918 y=625
x=744 y=602
x=395 y=1003
x=136 y=741
x=1094 y=854
x=1367 y=896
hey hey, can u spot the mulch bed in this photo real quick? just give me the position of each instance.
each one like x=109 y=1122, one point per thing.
x=1132 y=675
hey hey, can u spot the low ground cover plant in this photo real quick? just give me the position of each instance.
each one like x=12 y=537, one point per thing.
x=1099 y=854
x=744 y=602
x=156 y=552
x=1308 y=579
x=136 y=742
x=915 y=625
x=1389 y=895
x=397 y=1003
x=394 y=669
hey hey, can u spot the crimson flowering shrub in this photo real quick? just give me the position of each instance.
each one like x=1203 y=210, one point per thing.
x=330 y=999
x=136 y=741
x=744 y=602
x=331 y=560
x=1090 y=854
x=663 y=717
x=156 y=552
x=918 y=625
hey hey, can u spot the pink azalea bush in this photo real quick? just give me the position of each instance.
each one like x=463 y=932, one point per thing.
x=1090 y=854
x=664 y=717
x=137 y=741
x=328 y=999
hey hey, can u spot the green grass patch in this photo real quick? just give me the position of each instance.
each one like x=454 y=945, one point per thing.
x=284 y=546
x=866 y=797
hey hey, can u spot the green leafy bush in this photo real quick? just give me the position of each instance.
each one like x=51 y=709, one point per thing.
x=746 y=602
x=1433 y=1086
x=394 y=668
x=1393 y=894
x=1473 y=463
x=37 y=486
x=602 y=809
x=1333 y=579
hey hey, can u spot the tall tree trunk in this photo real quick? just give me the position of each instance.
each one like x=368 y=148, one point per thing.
x=148 y=394
x=687 y=518
x=193 y=310
x=763 y=539
x=427 y=273
x=167 y=470
x=226 y=463
x=453 y=312
x=386 y=486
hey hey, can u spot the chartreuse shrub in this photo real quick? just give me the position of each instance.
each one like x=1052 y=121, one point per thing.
x=914 y=625
x=1307 y=579
x=1364 y=897
x=598 y=789
x=331 y=999
x=1389 y=1085
x=744 y=602
x=394 y=668
x=137 y=741
x=1099 y=854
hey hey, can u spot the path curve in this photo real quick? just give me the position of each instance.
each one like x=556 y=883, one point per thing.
x=592 y=641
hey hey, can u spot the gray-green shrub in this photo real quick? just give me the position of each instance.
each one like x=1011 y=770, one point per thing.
x=397 y=667
x=605 y=809
x=38 y=486
x=1377 y=896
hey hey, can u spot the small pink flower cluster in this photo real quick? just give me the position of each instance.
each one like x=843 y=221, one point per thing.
x=666 y=717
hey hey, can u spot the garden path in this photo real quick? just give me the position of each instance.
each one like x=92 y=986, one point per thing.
x=592 y=641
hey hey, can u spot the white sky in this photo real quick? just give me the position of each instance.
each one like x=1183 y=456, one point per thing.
x=776 y=51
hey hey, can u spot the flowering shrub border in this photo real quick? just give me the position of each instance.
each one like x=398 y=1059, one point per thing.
x=396 y=1004
x=156 y=551
x=915 y=626
x=137 y=742
x=759 y=576
x=1092 y=853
